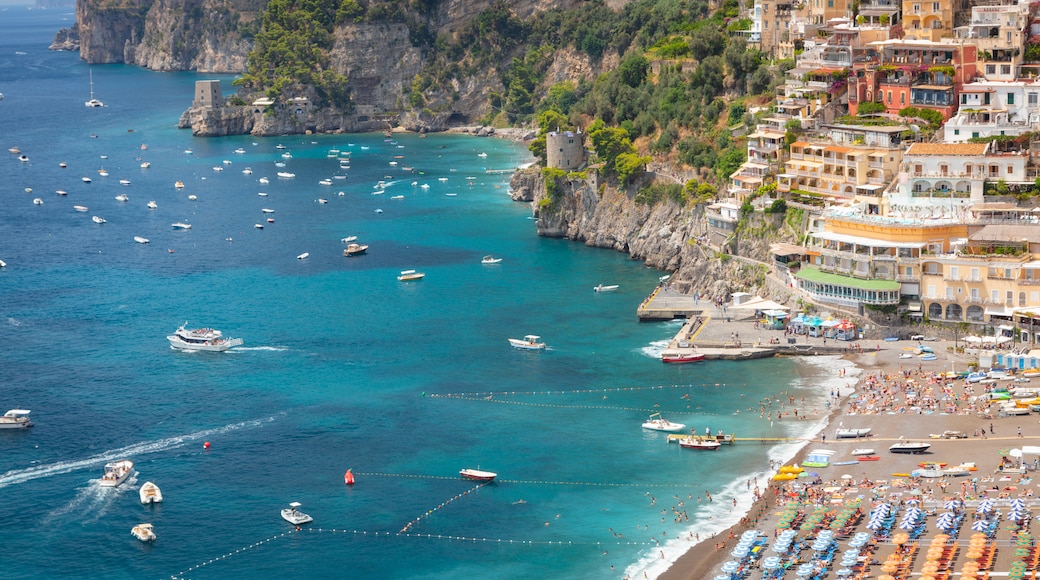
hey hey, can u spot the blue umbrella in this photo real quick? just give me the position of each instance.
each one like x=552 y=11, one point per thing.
x=906 y=525
x=729 y=567
x=980 y=525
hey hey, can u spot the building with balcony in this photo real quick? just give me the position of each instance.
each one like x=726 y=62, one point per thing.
x=770 y=23
x=765 y=156
x=989 y=108
x=722 y=222
x=998 y=29
x=911 y=73
x=838 y=172
x=930 y=19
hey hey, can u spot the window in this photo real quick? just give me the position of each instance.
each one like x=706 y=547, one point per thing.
x=1010 y=169
x=902 y=98
x=936 y=7
x=974 y=134
x=949 y=293
x=909 y=271
x=889 y=97
x=1021 y=298
x=956 y=131
x=1009 y=297
x=995 y=296
x=975 y=274
x=964 y=98
x=1011 y=98
x=931 y=290
x=1005 y=69
x=917 y=8
x=830 y=3
x=954 y=273
x=1032 y=99
x=974 y=294
x=991 y=69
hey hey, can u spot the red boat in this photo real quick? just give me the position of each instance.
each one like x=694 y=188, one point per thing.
x=478 y=475
x=868 y=458
x=681 y=357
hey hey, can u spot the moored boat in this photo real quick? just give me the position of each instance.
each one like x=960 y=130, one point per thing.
x=143 y=532
x=909 y=447
x=303 y=256
x=528 y=342
x=862 y=451
x=603 y=288
x=150 y=493
x=15 y=419
x=658 y=423
x=354 y=249
x=116 y=473
x=207 y=339
x=852 y=433
x=141 y=239
x=699 y=443
x=489 y=259
x=681 y=357
x=80 y=208
x=478 y=474
x=410 y=275
x=294 y=516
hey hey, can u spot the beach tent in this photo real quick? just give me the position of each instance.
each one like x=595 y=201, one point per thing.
x=813 y=326
x=846 y=330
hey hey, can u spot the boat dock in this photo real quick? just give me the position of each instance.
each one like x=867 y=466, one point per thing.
x=665 y=304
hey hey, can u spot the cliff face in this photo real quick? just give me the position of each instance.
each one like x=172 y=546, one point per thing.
x=662 y=235
x=167 y=35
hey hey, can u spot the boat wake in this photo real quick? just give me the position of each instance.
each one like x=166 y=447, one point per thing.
x=268 y=348
x=655 y=348
x=19 y=476
x=92 y=500
x=14 y=322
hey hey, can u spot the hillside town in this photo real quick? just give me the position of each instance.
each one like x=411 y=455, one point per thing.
x=907 y=131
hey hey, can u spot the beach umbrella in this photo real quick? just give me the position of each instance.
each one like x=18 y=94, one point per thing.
x=771 y=562
x=1018 y=503
x=875 y=525
x=952 y=504
x=980 y=525
x=730 y=567
x=906 y=525
x=1014 y=516
x=985 y=506
x=844 y=572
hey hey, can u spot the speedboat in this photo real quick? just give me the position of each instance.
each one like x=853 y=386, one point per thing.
x=152 y=205
x=122 y=197
x=150 y=493
x=355 y=249
x=294 y=516
x=181 y=226
x=143 y=532
x=98 y=219
x=658 y=423
x=124 y=182
x=286 y=175
x=116 y=473
x=478 y=474
x=489 y=259
x=681 y=357
x=303 y=256
x=37 y=201
x=85 y=179
x=208 y=339
x=602 y=288
x=80 y=208
x=909 y=447
x=15 y=419
x=141 y=239
x=179 y=184
x=529 y=342
x=146 y=164
x=349 y=239
x=852 y=433
x=699 y=443
x=410 y=276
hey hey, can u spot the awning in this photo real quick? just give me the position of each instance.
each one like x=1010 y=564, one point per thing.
x=914 y=307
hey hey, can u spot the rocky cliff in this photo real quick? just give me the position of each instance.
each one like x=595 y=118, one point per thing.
x=167 y=35
x=663 y=235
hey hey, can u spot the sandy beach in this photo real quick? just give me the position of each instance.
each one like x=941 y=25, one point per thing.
x=897 y=396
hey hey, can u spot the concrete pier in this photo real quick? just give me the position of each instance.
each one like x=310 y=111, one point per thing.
x=665 y=304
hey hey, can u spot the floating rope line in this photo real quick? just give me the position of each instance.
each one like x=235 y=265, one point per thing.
x=557 y=406
x=386 y=534
x=525 y=481
x=572 y=392
x=429 y=513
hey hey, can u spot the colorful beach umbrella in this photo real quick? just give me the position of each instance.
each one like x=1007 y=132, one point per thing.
x=980 y=525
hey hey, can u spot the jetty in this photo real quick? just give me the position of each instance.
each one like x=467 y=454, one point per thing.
x=666 y=304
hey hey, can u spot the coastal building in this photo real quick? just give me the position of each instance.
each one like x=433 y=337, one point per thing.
x=722 y=222
x=930 y=19
x=998 y=29
x=838 y=172
x=765 y=156
x=912 y=73
x=565 y=150
x=989 y=108
x=207 y=95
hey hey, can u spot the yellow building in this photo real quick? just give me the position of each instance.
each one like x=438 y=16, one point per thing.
x=838 y=171
x=930 y=19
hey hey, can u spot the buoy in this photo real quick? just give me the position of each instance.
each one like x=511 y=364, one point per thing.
x=205 y=445
x=348 y=477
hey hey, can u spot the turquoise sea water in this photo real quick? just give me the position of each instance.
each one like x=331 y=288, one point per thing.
x=342 y=367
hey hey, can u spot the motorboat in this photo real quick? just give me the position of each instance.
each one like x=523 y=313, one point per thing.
x=295 y=516
x=349 y=239
x=85 y=179
x=143 y=532
x=146 y=164
x=286 y=175
x=152 y=205
x=37 y=201
x=61 y=192
x=852 y=433
x=602 y=288
x=141 y=240
x=122 y=197
x=266 y=210
x=150 y=493
x=930 y=470
x=178 y=184
x=529 y=342
x=264 y=180
x=15 y=419
x=23 y=158
x=355 y=249
x=124 y=182
x=909 y=447
x=207 y=339
x=658 y=423
x=322 y=200
x=116 y=473
x=258 y=226
x=700 y=443
x=240 y=151
x=955 y=471
x=676 y=357
x=181 y=226
x=98 y=219
x=247 y=171
x=80 y=208
x=489 y=259
x=303 y=256
x=862 y=451
x=410 y=276
x=478 y=474
x=325 y=182
x=103 y=172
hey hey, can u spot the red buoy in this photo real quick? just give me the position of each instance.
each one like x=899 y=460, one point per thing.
x=206 y=445
x=348 y=477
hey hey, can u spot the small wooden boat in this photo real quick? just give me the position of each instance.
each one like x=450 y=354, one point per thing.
x=478 y=474
x=675 y=357
x=143 y=532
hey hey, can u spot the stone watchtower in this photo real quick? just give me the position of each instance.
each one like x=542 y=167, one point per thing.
x=207 y=95
x=564 y=150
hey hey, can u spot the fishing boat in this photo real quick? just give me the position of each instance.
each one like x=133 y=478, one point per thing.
x=699 y=443
x=676 y=357
x=15 y=419
x=410 y=275
x=207 y=339
x=354 y=249
x=852 y=433
x=116 y=473
x=294 y=516
x=150 y=493
x=489 y=259
x=529 y=342
x=143 y=532
x=909 y=447
x=658 y=423
x=602 y=288
x=478 y=474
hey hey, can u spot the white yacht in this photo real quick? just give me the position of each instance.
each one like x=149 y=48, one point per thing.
x=294 y=516
x=116 y=473
x=208 y=339
x=15 y=419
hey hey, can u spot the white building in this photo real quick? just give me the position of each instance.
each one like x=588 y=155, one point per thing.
x=989 y=108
